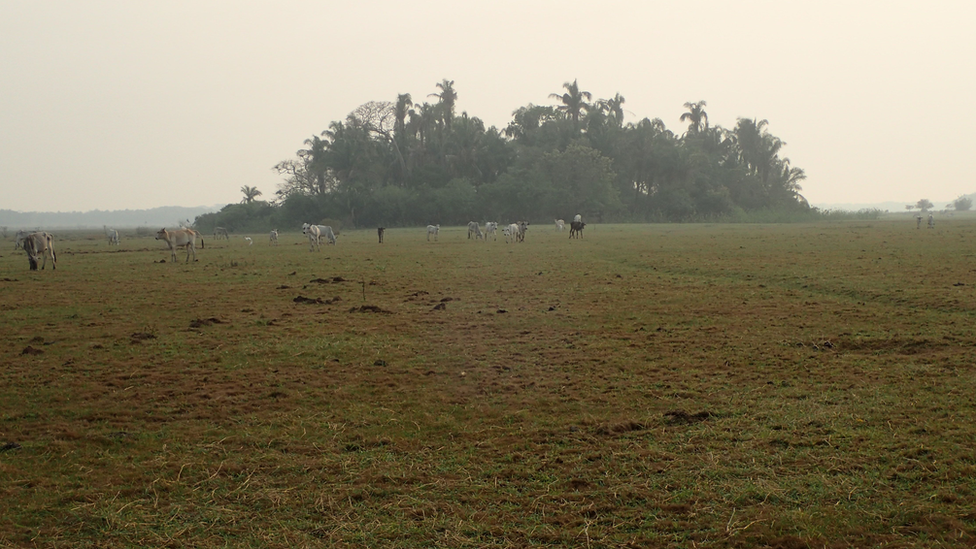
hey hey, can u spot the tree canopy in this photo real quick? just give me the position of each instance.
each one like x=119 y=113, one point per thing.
x=398 y=162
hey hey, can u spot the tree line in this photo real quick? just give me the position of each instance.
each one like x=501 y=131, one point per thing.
x=407 y=163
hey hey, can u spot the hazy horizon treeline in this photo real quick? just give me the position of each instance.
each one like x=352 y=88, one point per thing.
x=401 y=163
x=164 y=216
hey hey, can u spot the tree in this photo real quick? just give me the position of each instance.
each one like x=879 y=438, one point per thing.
x=614 y=109
x=250 y=193
x=581 y=180
x=962 y=204
x=924 y=204
x=574 y=101
x=447 y=98
x=696 y=117
x=401 y=110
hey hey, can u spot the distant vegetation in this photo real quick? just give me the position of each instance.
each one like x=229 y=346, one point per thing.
x=167 y=216
x=402 y=163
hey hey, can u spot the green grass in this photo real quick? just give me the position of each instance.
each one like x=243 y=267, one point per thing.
x=684 y=385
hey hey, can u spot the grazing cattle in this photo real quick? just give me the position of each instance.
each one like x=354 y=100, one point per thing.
x=474 y=229
x=931 y=221
x=274 y=238
x=576 y=229
x=181 y=238
x=523 y=227
x=379 y=233
x=249 y=241
x=433 y=230
x=220 y=232
x=511 y=233
x=316 y=233
x=38 y=244
x=112 y=235
x=491 y=229
x=560 y=224
x=577 y=218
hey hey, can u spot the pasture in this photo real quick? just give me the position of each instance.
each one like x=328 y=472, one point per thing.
x=649 y=385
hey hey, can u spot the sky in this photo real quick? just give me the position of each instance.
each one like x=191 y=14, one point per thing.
x=131 y=105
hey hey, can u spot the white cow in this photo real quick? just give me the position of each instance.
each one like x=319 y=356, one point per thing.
x=220 y=232
x=316 y=233
x=491 y=229
x=249 y=241
x=313 y=236
x=181 y=238
x=433 y=230
x=474 y=229
x=38 y=244
x=274 y=238
x=511 y=233
x=578 y=218
x=112 y=235
x=560 y=224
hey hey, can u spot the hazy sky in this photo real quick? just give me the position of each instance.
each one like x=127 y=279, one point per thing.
x=114 y=105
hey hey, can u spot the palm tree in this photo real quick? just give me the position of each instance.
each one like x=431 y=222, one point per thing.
x=447 y=99
x=315 y=160
x=250 y=193
x=402 y=108
x=697 y=117
x=614 y=109
x=574 y=101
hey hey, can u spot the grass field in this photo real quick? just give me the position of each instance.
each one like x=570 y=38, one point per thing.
x=650 y=385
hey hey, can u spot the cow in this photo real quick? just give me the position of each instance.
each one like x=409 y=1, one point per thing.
x=511 y=233
x=475 y=229
x=249 y=241
x=316 y=233
x=220 y=232
x=491 y=229
x=274 y=238
x=181 y=238
x=38 y=244
x=577 y=218
x=112 y=235
x=379 y=233
x=433 y=230
x=560 y=224
x=576 y=229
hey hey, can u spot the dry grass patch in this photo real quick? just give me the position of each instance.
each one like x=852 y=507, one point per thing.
x=678 y=385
